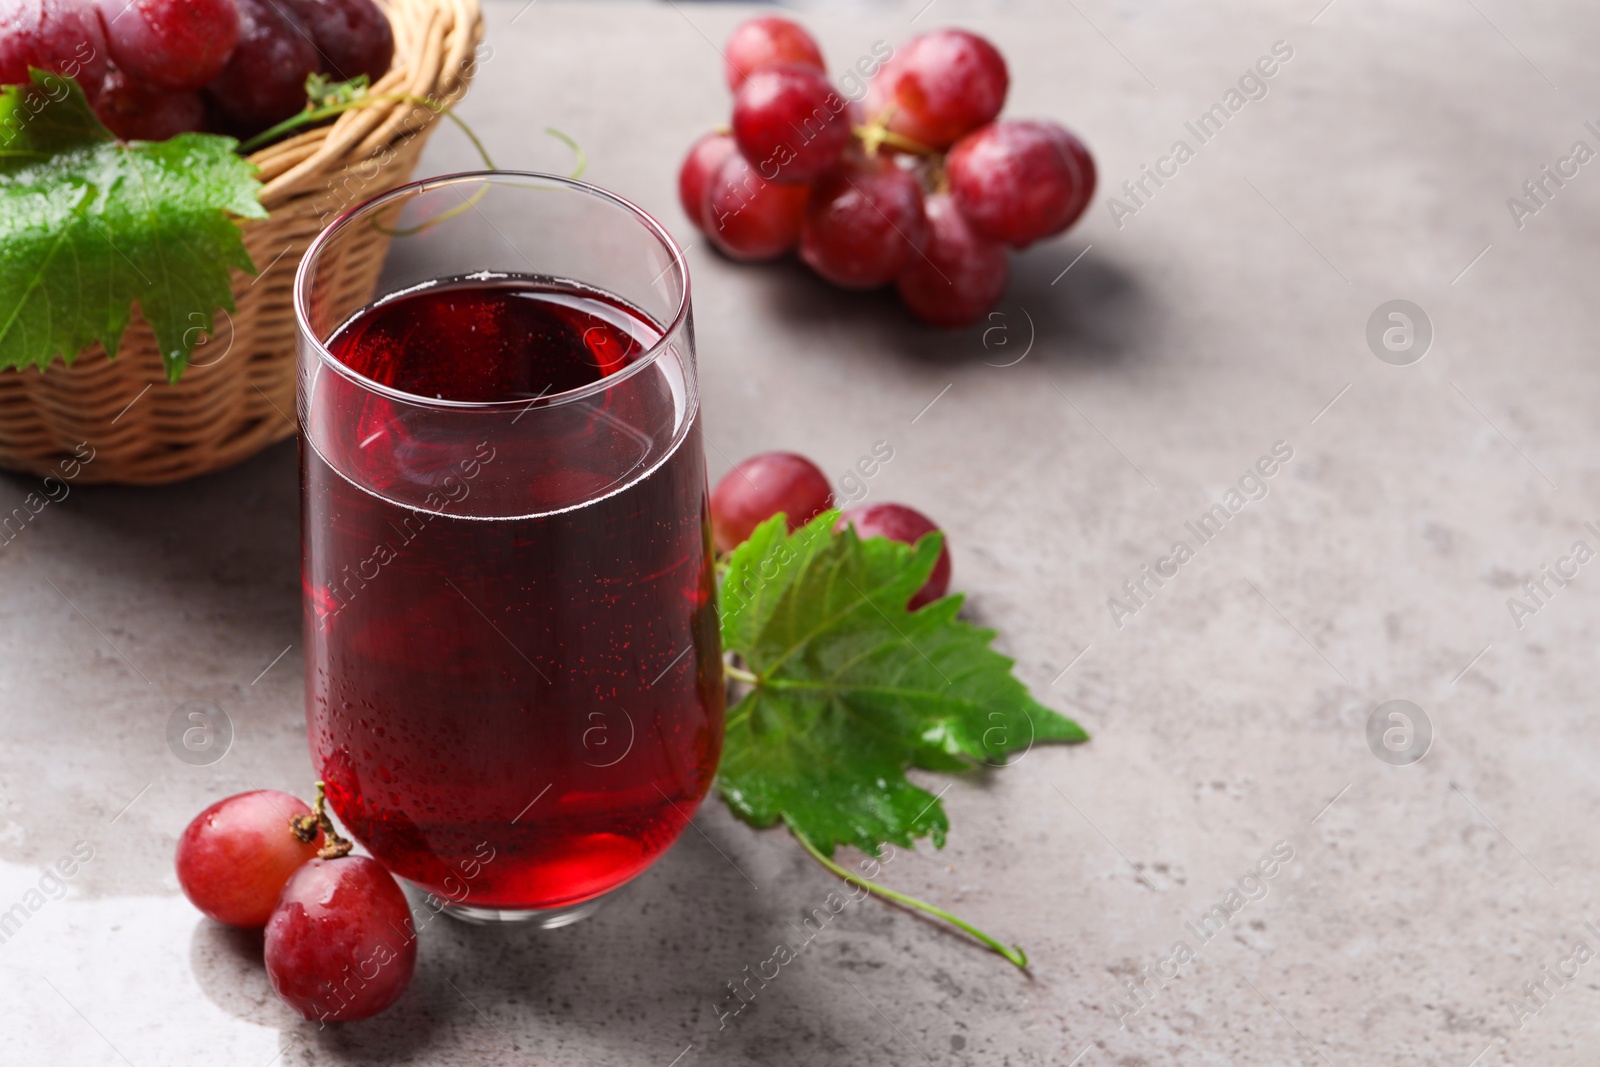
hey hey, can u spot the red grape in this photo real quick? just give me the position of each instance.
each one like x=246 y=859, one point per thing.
x=939 y=86
x=907 y=525
x=767 y=42
x=790 y=123
x=759 y=488
x=1078 y=152
x=864 y=224
x=137 y=113
x=235 y=857
x=175 y=45
x=352 y=36
x=749 y=218
x=1018 y=181
x=340 y=944
x=960 y=275
x=62 y=36
x=704 y=157
x=265 y=79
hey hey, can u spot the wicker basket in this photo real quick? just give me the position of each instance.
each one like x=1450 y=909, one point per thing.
x=238 y=394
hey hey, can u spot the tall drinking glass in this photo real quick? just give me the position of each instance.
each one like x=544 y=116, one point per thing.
x=513 y=674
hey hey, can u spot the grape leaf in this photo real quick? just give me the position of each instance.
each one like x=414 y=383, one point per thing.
x=851 y=688
x=89 y=224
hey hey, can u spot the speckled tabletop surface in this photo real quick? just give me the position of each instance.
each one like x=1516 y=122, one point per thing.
x=1428 y=912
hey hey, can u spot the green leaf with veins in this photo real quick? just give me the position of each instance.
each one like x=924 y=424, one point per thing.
x=89 y=225
x=850 y=689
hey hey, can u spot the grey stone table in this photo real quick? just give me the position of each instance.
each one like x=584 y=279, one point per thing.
x=1140 y=368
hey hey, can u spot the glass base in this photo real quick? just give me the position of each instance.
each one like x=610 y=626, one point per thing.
x=537 y=918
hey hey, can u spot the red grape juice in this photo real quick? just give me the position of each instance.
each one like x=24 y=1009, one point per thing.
x=514 y=684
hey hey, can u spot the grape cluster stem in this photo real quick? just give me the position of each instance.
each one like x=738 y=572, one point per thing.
x=305 y=828
x=878 y=134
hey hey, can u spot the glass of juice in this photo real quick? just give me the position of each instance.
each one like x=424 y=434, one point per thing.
x=513 y=672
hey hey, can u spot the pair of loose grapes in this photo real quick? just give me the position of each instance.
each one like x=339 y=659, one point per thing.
x=152 y=69
x=920 y=187
x=782 y=482
x=338 y=940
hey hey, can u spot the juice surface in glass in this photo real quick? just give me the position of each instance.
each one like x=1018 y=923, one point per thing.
x=514 y=686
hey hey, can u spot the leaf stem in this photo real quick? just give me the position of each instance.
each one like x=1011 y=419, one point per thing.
x=306 y=118
x=739 y=674
x=314 y=115
x=1013 y=954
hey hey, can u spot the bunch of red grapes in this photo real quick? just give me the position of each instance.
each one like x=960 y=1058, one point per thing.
x=339 y=940
x=919 y=185
x=156 y=68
